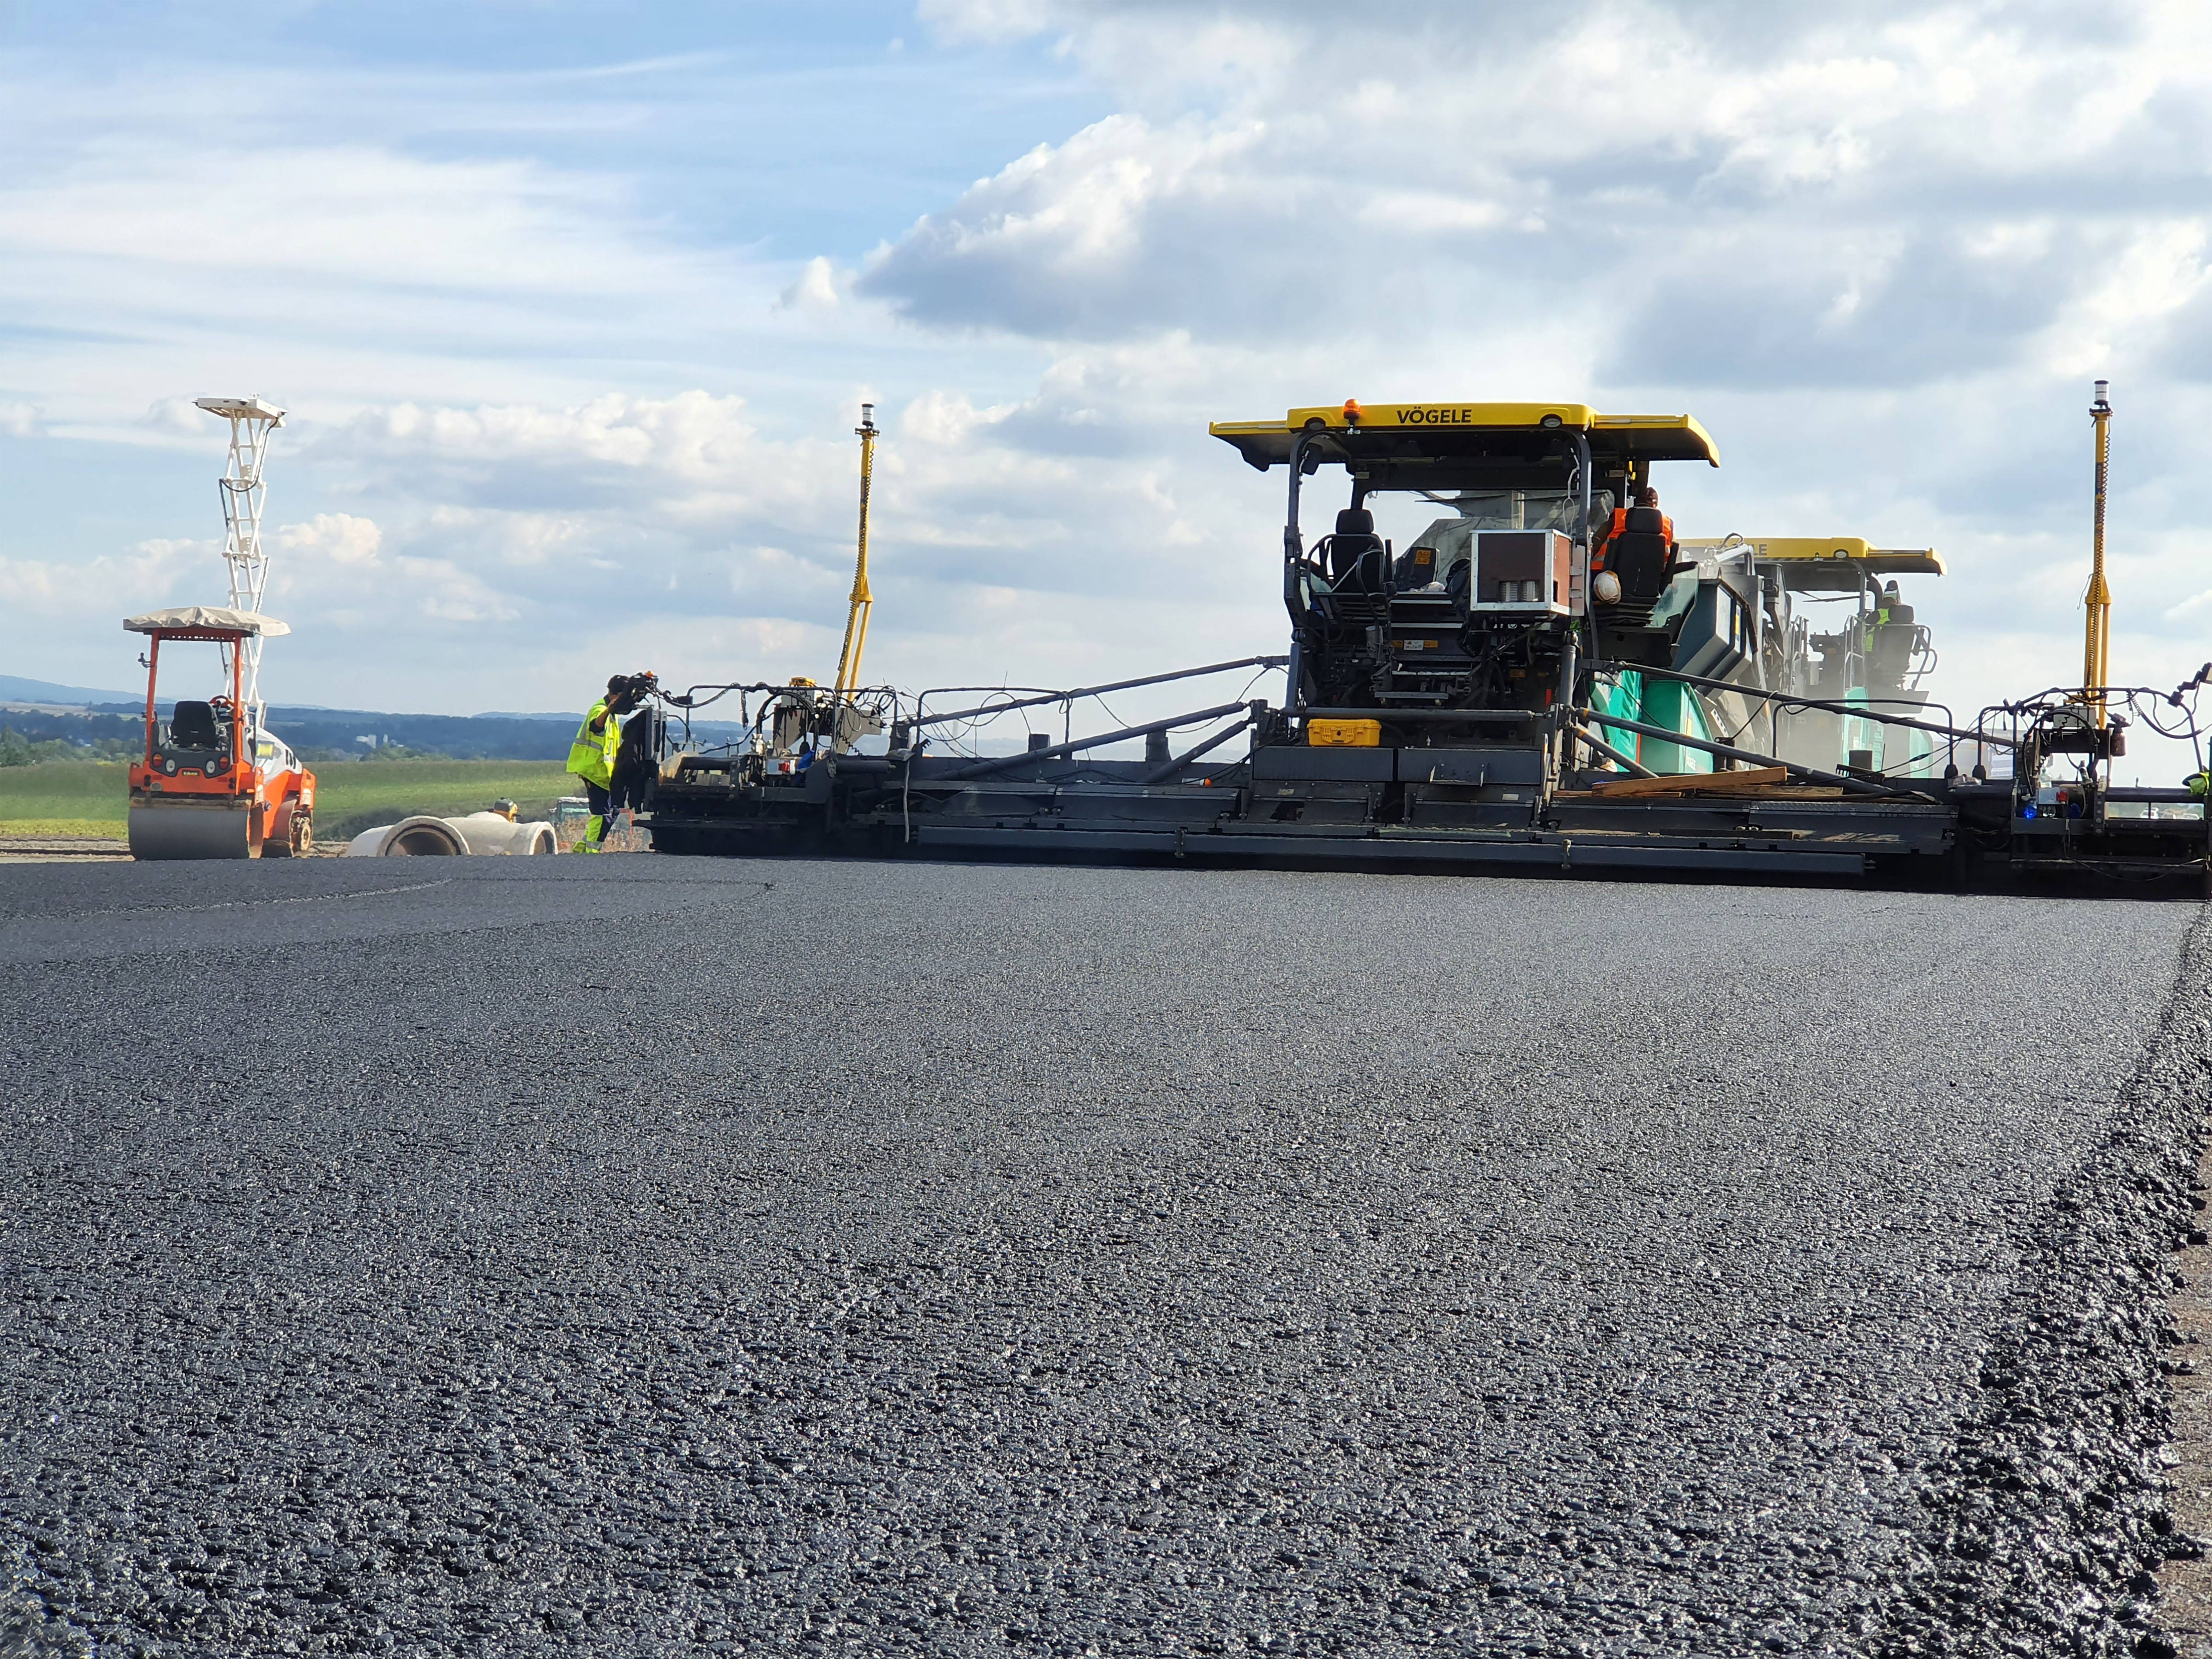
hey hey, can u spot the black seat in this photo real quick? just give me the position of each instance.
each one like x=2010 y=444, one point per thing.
x=191 y=725
x=1640 y=557
x=1355 y=563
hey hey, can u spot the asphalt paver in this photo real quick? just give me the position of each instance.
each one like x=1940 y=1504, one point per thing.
x=653 y=1255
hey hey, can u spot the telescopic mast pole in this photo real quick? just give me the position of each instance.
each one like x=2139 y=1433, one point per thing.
x=862 y=601
x=2097 y=639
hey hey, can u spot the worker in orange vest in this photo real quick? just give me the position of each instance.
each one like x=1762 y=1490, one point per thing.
x=1645 y=497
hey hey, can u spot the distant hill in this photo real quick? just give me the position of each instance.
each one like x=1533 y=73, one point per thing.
x=15 y=688
x=463 y=737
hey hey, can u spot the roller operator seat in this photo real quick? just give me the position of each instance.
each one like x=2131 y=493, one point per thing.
x=191 y=725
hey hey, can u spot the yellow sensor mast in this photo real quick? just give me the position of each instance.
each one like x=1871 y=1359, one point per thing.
x=2097 y=640
x=856 y=618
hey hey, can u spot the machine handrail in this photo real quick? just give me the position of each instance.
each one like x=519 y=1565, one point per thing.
x=1002 y=762
x=1070 y=695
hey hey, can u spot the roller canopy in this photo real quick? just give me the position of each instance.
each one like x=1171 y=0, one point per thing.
x=207 y=619
x=1444 y=446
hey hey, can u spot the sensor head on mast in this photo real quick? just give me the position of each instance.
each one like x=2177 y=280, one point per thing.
x=2104 y=404
x=867 y=420
x=242 y=409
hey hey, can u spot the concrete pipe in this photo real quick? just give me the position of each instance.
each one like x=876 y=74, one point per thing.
x=488 y=832
x=479 y=833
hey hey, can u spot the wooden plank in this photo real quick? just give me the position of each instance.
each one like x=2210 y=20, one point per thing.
x=1692 y=783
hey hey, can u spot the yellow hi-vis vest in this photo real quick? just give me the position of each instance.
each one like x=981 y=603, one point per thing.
x=591 y=757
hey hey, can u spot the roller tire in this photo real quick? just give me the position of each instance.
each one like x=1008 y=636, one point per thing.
x=292 y=836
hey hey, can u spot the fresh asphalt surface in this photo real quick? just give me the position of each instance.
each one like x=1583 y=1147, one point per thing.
x=646 y=1256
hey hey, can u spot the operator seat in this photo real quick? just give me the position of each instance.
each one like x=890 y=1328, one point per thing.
x=1638 y=552
x=1891 y=645
x=191 y=725
x=1356 y=564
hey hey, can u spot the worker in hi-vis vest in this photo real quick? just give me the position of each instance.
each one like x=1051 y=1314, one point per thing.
x=591 y=757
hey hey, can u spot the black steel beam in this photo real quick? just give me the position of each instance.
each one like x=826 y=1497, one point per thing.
x=1161 y=773
x=1637 y=768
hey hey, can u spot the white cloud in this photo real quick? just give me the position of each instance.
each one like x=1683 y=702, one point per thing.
x=340 y=538
x=179 y=227
x=693 y=434
x=175 y=417
x=988 y=19
x=1423 y=211
x=161 y=571
x=1717 y=194
x=820 y=287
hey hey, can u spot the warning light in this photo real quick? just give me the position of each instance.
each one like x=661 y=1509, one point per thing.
x=1352 y=411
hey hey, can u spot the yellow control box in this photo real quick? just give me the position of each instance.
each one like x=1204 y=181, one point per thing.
x=1344 y=734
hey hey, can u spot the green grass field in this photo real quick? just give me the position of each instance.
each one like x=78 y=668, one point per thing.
x=89 y=797
x=89 y=791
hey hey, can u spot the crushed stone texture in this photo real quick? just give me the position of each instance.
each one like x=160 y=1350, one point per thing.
x=2185 y=1605
x=651 y=1256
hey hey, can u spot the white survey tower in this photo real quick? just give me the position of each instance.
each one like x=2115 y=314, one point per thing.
x=251 y=421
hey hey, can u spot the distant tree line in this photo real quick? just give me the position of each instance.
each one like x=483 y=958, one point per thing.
x=318 y=734
x=29 y=748
x=113 y=731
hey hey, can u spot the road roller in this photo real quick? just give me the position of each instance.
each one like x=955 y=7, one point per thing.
x=213 y=782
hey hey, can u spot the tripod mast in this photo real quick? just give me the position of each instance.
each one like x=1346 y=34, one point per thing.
x=251 y=421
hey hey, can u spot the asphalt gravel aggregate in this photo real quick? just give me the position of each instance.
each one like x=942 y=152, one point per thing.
x=652 y=1256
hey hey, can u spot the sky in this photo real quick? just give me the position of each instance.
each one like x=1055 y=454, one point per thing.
x=573 y=306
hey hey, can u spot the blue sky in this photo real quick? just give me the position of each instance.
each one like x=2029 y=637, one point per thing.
x=574 y=305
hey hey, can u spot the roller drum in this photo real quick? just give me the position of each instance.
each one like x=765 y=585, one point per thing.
x=220 y=831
